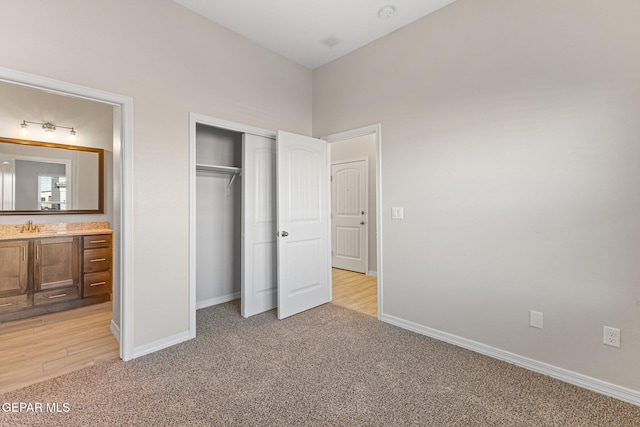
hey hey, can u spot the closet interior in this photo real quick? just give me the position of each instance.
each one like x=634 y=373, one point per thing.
x=239 y=252
x=218 y=215
x=235 y=219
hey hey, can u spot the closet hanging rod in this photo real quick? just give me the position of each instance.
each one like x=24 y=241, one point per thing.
x=228 y=170
x=224 y=170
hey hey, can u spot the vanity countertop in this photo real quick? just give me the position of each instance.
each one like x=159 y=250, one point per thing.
x=12 y=231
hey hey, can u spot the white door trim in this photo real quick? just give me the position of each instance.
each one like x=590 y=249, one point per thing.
x=364 y=159
x=123 y=172
x=195 y=119
x=376 y=130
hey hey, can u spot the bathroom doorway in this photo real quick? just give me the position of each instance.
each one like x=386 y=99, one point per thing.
x=118 y=112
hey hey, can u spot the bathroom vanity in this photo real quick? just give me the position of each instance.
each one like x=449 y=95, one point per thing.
x=53 y=267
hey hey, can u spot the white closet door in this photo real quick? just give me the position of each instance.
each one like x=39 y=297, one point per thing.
x=304 y=270
x=259 y=287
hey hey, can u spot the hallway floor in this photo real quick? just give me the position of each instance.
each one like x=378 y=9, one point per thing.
x=355 y=291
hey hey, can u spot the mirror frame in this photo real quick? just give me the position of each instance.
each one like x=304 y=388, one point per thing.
x=98 y=151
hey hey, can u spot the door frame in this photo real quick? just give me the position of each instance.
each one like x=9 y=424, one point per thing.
x=375 y=129
x=366 y=198
x=122 y=186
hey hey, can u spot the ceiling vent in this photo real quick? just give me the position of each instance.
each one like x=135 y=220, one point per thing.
x=331 y=41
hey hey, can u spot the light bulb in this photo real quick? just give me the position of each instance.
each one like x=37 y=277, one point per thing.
x=48 y=128
x=24 y=128
x=72 y=135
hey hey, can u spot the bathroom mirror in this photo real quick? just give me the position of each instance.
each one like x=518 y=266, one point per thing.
x=46 y=178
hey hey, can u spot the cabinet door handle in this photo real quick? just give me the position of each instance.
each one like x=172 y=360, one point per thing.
x=24 y=254
x=37 y=252
x=98 y=241
x=6 y=304
x=57 y=296
x=98 y=260
x=98 y=284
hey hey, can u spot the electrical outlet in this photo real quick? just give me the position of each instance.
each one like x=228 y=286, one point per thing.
x=397 y=213
x=611 y=336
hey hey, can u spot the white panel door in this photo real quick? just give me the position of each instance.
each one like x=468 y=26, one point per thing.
x=304 y=270
x=348 y=216
x=259 y=286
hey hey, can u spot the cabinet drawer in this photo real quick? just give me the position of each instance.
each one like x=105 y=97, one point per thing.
x=97 y=260
x=96 y=284
x=15 y=303
x=55 y=295
x=97 y=241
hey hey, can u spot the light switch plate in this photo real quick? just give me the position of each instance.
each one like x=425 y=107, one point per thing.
x=397 y=213
x=535 y=319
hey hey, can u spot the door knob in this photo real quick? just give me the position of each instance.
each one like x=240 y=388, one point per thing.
x=361 y=222
x=284 y=234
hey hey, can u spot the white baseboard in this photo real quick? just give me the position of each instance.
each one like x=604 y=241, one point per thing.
x=580 y=380
x=182 y=336
x=372 y=273
x=216 y=301
x=115 y=330
x=161 y=344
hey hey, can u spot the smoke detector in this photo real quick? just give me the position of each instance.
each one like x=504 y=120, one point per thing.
x=386 y=12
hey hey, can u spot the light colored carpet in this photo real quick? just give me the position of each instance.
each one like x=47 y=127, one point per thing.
x=328 y=366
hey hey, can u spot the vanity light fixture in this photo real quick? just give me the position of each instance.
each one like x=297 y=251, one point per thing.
x=48 y=127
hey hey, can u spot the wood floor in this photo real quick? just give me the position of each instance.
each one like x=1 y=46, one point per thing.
x=355 y=291
x=43 y=347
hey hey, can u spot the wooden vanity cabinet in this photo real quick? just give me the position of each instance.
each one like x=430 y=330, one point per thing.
x=48 y=274
x=14 y=278
x=56 y=270
x=97 y=261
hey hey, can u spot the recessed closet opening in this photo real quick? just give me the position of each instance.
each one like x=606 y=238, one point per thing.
x=218 y=215
x=259 y=219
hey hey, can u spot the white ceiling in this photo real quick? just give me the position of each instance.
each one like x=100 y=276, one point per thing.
x=294 y=28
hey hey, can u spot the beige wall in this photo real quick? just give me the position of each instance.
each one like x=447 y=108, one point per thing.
x=510 y=135
x=93 y=121
x=171 y=62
